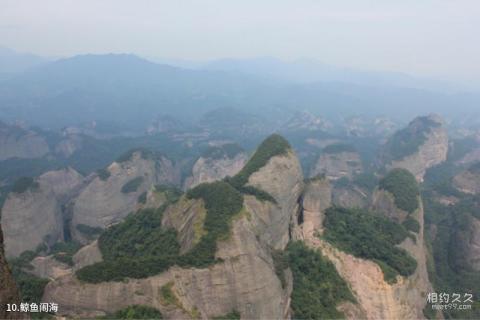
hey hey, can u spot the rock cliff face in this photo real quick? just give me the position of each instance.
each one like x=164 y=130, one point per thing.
x=34 y=217
x=376 y=298
x=383 y=202
x=244 y=279
x=473 y=245
x=468 y=181
x=422 y=145
x=337 y=165
x=8 y=289
x=16 y=142
x=207 y=169
x=350 y=197
x=316 y=198
x=282 y=178
x=109 y=198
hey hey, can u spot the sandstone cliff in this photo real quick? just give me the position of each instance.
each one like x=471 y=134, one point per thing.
x=243 y=279
x=337 y=161
x=34 y=216
x=112 y=195
x=422 y=145
x=8 y=289
x=212 y=168
x=17 y=142
x=468 y=181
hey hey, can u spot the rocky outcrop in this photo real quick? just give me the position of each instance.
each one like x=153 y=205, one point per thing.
x=30 y=219
x=87 y=255
x=468 y=181
x=473 y=245
x=350 y=197
x=337 y=164
x=208 y=169
x=8 y=289
x=110 y=197
x=282 y=178
x=422 y=145
x=34 y=216
x=378 y=299
x=244 y=277
x=316 y=198
x=383 y=202
x=18 y=142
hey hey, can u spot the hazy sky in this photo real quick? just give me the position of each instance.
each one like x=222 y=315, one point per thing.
x=427 y=37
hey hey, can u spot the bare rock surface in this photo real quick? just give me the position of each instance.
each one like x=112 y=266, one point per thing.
x=337 y=165
x=104 y=202
x=17 y=142
x=432 y=151
x=35 y=216
x=208 y=169
x=8 y=289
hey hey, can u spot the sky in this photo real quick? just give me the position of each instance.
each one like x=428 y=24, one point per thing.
x=436 y=38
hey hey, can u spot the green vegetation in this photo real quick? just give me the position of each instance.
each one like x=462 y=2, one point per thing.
x=168 y=297
x=172 y=194
x=343 y=182
x=233 y=315
x=103 y=174
x=366 y=180
x=64 y=251
x=447 y=266
x=371 y=237
x=338 y=148
x=411 y=224
x=317 y=287
x=23 y=184
x=139 y=247
x=222 y=202
x=132 y=185
x=135 y=312
x=88 y=231
x=31 y=287
x=142 y=198
x=136 y=248
x=229 y=150
x=407 y=141
x=402 y=184
x=274 y=145
x=280 y=262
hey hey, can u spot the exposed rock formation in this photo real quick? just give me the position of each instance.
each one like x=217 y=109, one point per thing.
x=8 y=289
x=316 y=198
x=422 y=145
x=30 y=219
x=337 y=164
x=376 y=298
x=349 y=197
x=208 y=169
x=107 y=200
x=17 y=142
x=282 y=178
x=473 y=246
x=244 y=279
x=35 y=216
x=383 y=202
x=468 y=181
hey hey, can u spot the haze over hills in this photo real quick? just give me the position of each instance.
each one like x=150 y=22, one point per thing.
x=94 y=87
x=236 y=190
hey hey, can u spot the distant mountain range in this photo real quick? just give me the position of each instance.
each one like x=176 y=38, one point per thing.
x=132 y=91
x=12 y=61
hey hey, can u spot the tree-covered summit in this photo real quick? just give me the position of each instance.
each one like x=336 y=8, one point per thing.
x=402 y=184
x=274 y=145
